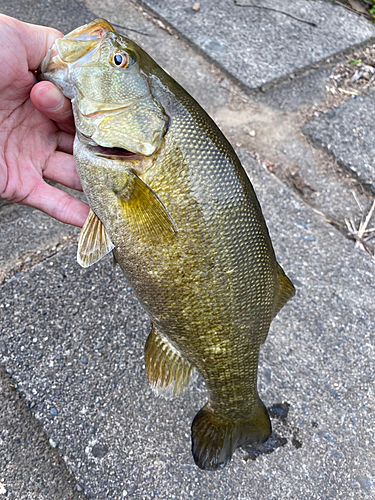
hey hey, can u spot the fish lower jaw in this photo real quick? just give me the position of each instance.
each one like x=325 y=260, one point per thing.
x=112 y=157
x=54 y=70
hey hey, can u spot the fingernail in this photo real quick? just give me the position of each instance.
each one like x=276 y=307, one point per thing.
x=53 y=99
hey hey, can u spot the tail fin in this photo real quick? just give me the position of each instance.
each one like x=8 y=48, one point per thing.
x=215 y=437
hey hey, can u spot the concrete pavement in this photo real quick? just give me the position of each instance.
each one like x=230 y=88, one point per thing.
x=348 y=133
x=258 y=46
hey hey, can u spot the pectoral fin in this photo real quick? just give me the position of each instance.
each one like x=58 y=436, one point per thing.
x=143 y=210
x=94 y=242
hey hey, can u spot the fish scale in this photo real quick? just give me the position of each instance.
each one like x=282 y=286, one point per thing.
x=182 y=219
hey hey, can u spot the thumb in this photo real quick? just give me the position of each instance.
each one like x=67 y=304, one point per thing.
x=36 y=40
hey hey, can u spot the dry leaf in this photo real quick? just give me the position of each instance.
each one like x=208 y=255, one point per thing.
x=357 y=6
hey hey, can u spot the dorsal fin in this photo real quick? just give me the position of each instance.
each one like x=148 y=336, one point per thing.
x=94 y=242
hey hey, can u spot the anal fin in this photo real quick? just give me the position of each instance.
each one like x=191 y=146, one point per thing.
x=168 y=372
x=94 y=242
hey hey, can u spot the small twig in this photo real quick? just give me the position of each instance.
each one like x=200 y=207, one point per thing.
x=351 y=227
x=370 y=82
x=337 y=2
x=333 y=222
x=362 y=244
x=357 y=200
x=352 y=232
x=278 y=11
x=365 y=231
x=348 y=225
x=131 y=29
x=344 y=91
x=364 y=225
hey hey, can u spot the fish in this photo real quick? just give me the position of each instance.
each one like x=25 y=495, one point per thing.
x=170 y=199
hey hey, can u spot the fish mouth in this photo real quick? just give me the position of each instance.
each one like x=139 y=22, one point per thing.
x=115 y=153
x=66 y=50
x=96 y=29
x=109 y=152
x=51 y=62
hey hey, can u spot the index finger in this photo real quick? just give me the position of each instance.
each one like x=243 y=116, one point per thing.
x=58 y=204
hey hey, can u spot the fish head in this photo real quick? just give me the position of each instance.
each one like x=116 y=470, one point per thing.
x=107 y=77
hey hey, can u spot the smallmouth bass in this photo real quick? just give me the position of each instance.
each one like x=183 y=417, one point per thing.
x=171 y=200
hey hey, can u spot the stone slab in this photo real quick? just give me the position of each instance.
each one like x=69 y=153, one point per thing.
x=74 y=348
x=348 y=133
x=29 y=466
x=258 y=46
x=25 y=230
x=64 y=16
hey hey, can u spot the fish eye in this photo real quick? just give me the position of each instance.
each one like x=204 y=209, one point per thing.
x=120 y=59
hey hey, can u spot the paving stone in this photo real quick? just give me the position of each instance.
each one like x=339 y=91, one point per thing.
x=258 y=46
x=64 y=16
x=348 y=133
x=25 y=230
x=29 y=468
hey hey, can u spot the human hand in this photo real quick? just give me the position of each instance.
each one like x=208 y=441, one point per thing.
x=36 y=127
